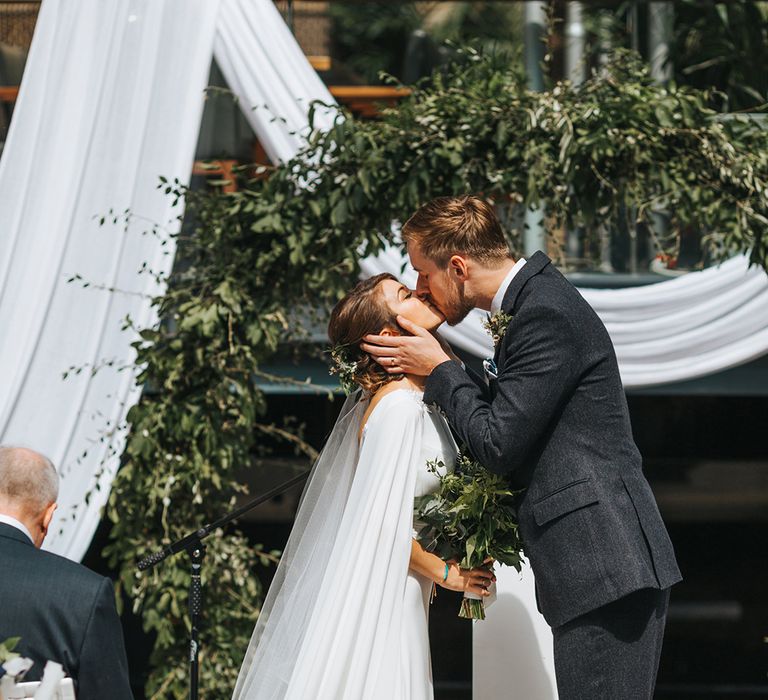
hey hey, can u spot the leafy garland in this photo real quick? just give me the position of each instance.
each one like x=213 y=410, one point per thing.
x=618 y=144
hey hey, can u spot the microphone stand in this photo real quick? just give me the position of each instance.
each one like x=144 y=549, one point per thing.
x=193 y=545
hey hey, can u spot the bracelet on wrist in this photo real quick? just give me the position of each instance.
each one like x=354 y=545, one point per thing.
x=445 y=573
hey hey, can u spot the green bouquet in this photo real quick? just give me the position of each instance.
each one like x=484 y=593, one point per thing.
x=471 y=518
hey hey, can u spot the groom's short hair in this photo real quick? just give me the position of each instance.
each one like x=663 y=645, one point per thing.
x=464 y=225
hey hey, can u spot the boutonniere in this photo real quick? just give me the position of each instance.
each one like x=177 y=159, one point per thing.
x=496 y=325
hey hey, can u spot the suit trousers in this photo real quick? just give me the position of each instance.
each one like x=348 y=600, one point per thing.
x=613 y=652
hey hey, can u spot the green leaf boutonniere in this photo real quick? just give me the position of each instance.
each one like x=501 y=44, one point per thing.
x=496 y=325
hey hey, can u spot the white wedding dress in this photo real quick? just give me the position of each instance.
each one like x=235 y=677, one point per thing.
x=345 y=619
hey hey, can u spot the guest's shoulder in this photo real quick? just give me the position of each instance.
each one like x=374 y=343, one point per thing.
x=67 y=571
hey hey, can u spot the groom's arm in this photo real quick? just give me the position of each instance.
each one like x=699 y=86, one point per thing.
x=541 y=370
x=474 y=376
x=480 y=383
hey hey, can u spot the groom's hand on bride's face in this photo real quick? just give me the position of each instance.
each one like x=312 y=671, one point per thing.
x=416 y=354
x=447 y=348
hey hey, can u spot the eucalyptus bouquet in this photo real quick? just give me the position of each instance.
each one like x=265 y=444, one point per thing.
x=471 y=518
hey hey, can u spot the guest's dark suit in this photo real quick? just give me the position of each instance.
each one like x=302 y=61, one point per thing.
x=63 y=612
x=556 y=423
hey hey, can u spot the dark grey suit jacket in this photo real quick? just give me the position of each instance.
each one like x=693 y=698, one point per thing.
x=556 y=423
x=63 y=612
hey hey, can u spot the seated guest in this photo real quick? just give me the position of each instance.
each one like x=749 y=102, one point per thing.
x=62 y=611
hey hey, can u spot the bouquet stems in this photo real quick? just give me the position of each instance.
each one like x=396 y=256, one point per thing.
x=472 y=607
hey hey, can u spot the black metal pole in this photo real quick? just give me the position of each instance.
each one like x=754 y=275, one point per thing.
x=183 y=544
x=193 y=546
x=196 y=556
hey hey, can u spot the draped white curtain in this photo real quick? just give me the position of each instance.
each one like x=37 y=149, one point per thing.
x=683 y=328
x=267 y=70
x=111 y=99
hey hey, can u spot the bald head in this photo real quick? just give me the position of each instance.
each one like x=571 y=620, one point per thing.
x=29 y=486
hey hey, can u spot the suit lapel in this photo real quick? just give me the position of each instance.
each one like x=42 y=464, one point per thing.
x=496 y=352
x=534 y=265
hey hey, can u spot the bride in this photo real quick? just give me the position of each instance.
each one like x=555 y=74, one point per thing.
x=346 y=615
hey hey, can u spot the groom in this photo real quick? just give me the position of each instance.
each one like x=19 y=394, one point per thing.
x=553 y=418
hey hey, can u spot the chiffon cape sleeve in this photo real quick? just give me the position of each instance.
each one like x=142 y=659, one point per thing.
x=331 y=623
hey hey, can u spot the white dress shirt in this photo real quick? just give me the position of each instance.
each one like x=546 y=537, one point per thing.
x=8 y=520
x=496 y=303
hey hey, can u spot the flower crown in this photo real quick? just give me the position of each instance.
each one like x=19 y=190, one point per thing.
x=344 y=366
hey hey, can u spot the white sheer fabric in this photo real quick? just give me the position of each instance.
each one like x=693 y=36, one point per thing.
x=344 y=619
x=111 y=99
x=683 y=328
x=267 y=70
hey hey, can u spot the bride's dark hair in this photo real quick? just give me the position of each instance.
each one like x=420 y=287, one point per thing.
x=361 y=312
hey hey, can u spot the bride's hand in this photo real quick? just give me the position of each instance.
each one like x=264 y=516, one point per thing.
x=474 y=580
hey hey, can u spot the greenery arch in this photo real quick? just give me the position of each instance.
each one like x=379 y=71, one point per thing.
x=258 y=256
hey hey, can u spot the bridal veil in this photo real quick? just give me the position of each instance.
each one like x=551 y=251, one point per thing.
x=329 y=628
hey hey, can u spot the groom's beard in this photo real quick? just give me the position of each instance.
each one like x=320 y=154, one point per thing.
x=457 y=304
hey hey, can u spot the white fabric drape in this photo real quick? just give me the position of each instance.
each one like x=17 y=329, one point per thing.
x=687 y=327
x=267 y=70
x=111 y=99
x=683 y=328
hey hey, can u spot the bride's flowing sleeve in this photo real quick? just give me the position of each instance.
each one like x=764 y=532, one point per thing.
x=330 y=627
